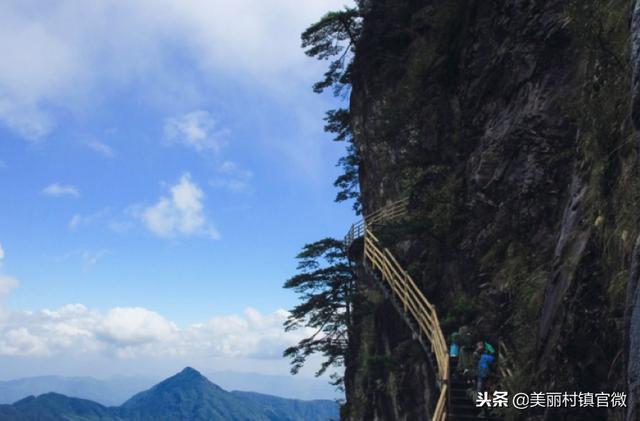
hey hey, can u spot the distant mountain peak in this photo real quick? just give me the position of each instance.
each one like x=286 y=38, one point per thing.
x=190 y=372
x=188 y=377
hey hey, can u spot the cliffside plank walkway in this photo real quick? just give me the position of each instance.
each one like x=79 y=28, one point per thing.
x=413 y=306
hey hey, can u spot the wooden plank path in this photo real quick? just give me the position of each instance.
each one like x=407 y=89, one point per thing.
x=416 y=309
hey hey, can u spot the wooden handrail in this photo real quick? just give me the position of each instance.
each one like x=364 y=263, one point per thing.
x=387 y=213
x=406 y=291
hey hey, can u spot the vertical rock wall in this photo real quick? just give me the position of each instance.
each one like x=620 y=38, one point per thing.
x=507 y=123
x=632 y=309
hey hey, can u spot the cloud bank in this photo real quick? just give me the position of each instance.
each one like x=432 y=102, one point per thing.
x=59 y=56
x=136 y=332
x=129 y=333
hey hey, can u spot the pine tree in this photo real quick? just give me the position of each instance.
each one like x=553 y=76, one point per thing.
x=334 y=38
x=325 y=285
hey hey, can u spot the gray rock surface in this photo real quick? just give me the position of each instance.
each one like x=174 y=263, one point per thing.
x=508 y=124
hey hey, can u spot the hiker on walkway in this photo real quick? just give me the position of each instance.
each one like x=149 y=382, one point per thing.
x=454 y=350
x=485 y=363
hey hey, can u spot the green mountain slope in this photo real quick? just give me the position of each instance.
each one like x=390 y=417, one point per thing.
x=190 y=396
x=187 y=396
x=56 y=407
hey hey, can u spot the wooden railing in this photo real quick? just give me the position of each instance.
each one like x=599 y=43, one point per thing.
x=387 y=213
x=406 y=291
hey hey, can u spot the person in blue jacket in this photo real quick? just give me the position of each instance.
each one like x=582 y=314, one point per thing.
x=485 y=364
x=454 y=351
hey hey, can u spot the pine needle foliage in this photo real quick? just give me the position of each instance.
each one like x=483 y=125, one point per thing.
x=325 y=284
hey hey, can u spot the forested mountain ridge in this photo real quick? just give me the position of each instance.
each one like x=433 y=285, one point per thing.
x=186 y=396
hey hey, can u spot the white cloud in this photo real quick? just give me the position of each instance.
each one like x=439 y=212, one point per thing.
x=21 y=342
x=197 y=130
x=233 y=178
x=1 y=253
x=130 y=326
x=26 y=120
x=133 y=337
x=63 y=55
x=136 y=332
x=181 y=213
x=101 y=149
x=60 y=190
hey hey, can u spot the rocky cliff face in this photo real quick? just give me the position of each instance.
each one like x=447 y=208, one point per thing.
x=508 y=125
x=632 y=309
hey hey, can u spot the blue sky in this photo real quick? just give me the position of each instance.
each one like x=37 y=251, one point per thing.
x=161 y=164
